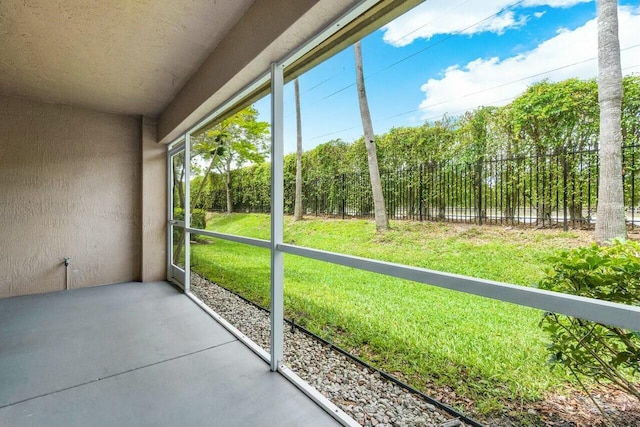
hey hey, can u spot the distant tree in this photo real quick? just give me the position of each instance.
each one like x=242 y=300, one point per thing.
x=611 y=220
x=329 y=159
x=245 y=141
x=321 y=166
x=210 y=146
x=631 y=110
x=474 y=134
x=178 y=180
x=382 y=222
x=526 y=140
x=549 y=119
x=413 y=145
x=297 y=211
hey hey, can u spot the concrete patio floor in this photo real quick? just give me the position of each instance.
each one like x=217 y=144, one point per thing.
x=135 y=354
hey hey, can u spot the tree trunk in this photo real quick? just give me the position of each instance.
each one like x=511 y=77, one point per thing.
x=227 y=185
x=575 y=212
x=297 y=210
x=611 y=219
x=380 y=213
x=177 y=183
x=203 y=182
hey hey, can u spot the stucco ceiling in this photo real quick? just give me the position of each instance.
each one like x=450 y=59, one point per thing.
x=121 y=56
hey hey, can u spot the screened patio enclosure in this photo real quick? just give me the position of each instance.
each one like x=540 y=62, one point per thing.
x=99 y=107
x=90 y=96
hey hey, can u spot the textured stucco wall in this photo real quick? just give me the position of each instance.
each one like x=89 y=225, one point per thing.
x=154 y=208
x=269 y=30
x=69 y=187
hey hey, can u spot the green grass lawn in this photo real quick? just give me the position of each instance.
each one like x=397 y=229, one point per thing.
x=485 y=350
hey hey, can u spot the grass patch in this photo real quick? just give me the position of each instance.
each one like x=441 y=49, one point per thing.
x=485 y=350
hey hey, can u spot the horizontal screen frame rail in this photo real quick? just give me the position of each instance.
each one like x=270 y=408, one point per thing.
x=604 y=312
x=266 y=244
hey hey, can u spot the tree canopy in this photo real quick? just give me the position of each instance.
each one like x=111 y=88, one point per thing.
x=234 y=142
x=556 y=121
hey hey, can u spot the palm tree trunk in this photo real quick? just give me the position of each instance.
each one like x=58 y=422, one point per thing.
x=297 y=210
x=611 y=219
x=382 y=222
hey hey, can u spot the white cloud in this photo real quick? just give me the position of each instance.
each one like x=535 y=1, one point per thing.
x=496 y=81
x=468 y=17
x=497 y=24
x=553 y=3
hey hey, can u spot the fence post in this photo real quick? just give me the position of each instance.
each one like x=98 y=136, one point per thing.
x=565 y=225
x=343 y=201
x=420 y=193
x=479 y=201
x=633 y=187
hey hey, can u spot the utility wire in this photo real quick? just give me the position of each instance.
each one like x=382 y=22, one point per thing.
x=428 y=119
x=315 y=87
x=432 y=21
x=333 y=133
x=323 y=82
x=418 y=52
x=478 y=92
x=401 y=38
x=448 y=37
x=507 y=84
x=430 y=46
x=462 y=110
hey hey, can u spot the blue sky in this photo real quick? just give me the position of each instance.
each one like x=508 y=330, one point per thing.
x=450 y=56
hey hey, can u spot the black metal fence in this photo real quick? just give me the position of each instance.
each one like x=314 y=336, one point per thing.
x=558 y=189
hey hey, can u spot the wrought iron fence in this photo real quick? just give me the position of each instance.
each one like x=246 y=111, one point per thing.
x=557 y=189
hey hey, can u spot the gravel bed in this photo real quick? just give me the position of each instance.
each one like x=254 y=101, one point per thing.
x=363 y=394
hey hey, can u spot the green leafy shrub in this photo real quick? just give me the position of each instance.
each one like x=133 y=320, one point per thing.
x=601 y=352
x=178 y=214
x=199 y=219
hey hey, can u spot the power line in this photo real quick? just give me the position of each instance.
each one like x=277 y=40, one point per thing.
x=401 y=38
x=508 y=83
x=480 y=91
x=333 y=133
x=433 y=20
x=462 y=110
x=323 y=82
x=316 y=86
x=425 y=120
x=448 y=37
x=430 y=46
